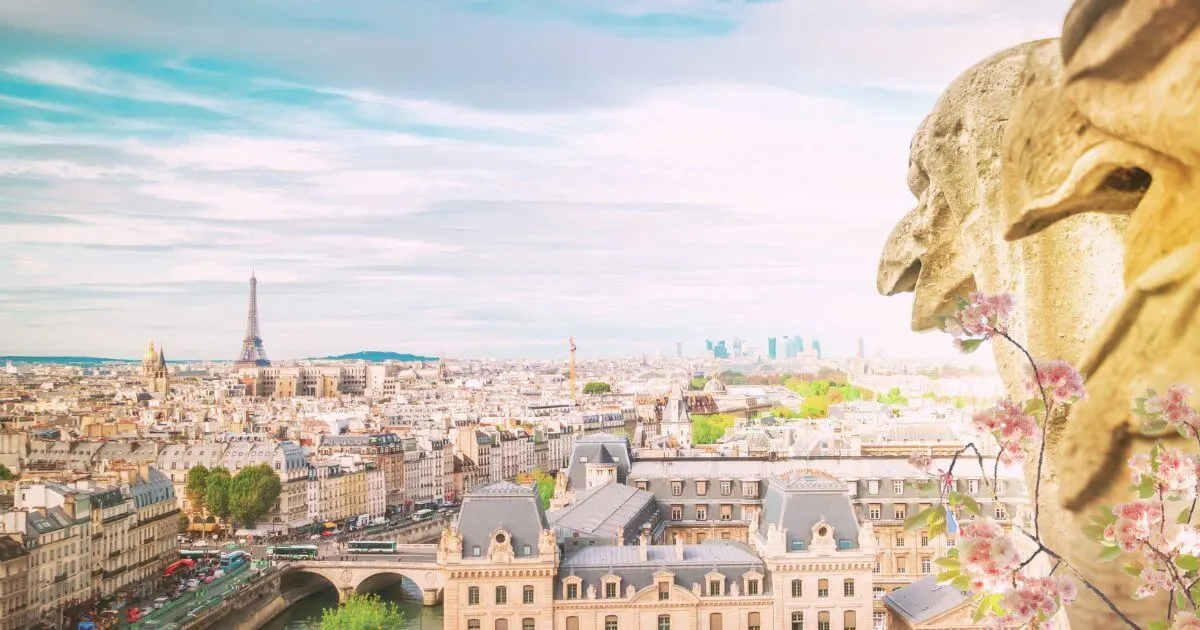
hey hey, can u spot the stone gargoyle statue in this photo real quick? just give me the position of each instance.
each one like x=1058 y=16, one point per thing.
x=1064 y=279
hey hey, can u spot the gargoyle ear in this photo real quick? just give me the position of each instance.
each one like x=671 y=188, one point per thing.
x=1110 y=177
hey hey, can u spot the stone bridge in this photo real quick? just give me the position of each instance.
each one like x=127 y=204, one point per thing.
x=349 y=573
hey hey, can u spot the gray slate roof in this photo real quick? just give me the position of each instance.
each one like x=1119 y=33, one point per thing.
x=924 y=599
x=591 y=564
x=598 y=448
x=798 y=501
x=603 y=511
x=501 y=504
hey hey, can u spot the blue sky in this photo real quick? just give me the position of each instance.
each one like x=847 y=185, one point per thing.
x=480 y=178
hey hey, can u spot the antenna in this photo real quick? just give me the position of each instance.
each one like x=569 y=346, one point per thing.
x=572 y=374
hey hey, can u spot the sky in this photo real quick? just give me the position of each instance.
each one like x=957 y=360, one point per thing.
x=469 y=178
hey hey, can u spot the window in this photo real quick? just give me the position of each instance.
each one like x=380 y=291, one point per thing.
x=501 y=594
x=897 y=486
x=473 y=596
x=1001 y=513
x=822 y=588
x=724 y=535
x=472 y=624
x=701 y=488
x=676 y=488
x=753 y=621
x=714 y=588
x=873 y=486
x=610 y=622
x=848 y=588
x=726 y=512
x=823 y=620
x=527 y=624
x=572 y=591
x=899 y=540
x=525 y=550
x=973 y=486
x=797 y=545
x=924 y=539
x=572 y=623
x=879 y=618
x=501 y=624
x=749 y=489
x=875 y=511
x=901 y=565
x=715 y=622
x=950 y=541
x=475 y=551
x=879 y=592
x=664 y=622
x=676 y=512
x=900 y=510
x=610 y=590
x=527 y=595
x=926 y=565
x=664 y=591
x=726 y=488
x=797 y=588
x=700 y=536
x=875 y=569
x=849 y=621
x=701 y=512
x=797 y=621
x=752 y=587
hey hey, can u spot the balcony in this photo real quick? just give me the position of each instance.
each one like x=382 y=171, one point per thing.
x=114 y=553
x=61 y=577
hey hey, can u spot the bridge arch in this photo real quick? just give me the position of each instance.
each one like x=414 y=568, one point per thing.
x=348 y=577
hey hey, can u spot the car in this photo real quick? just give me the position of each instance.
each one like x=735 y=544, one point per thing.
x=160 y=602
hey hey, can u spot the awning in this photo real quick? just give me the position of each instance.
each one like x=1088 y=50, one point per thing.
x=330 y=525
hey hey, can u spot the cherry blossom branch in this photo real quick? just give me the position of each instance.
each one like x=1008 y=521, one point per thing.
x=1037 y=483
x=1042 y=548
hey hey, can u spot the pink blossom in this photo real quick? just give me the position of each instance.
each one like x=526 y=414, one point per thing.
x=1139 y=466
x=1176 y=476
x=1011 y=427
x=1186 y=541
x=1138 y=523
x=1185 y=621
x=1153 y=581
x=1059 y=382
x=1032 y=600
x=984 y=316
x=1173 y=408
x=920 y=461
x=988 y=557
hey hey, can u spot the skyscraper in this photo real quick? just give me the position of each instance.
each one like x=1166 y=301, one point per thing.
x=719 y=351
x=253 y=354
x=816 y=346
x=771 y=348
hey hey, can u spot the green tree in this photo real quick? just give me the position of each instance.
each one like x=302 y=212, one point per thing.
x=698 y=384
x=597 y=387
x=543 y=485
x=784 y=412
x=363 y=612
x=709 y=429
x=797 y=385
x=819 y=388
x=216 y=494
x=893 y=397
x=184 y=521
x=5 y=473
x=815 y=407
x=253 y=492
x=196 y=487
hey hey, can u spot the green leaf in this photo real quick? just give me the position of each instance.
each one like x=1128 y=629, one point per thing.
x=1034 y=406
x=949 y=563
x=1180 y=600
x=1109 y=554
x=1095 y=532
x=971 y=505
x=1146 y=489
x=937 y=529
x=1153 y=427
x=1184 y=516
x=969 y=345
x=1157 y=625
x=985 y=606
x=916 y=521
x=961 y=583
x=1154 y=450
x=954 y=498
x=1188 y=563
x=947 y=577
x=952 y=552
x=1133 y=568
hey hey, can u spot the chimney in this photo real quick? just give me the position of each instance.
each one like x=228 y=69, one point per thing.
x=679 y=547
x=643 y=550
x=621 y=537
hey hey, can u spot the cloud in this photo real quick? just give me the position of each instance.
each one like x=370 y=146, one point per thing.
x=467 y=178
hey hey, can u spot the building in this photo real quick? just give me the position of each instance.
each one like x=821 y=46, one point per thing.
x=154 y=370
x=927 y=605
x=772 y=350
x=16 y=564
x=252 y=353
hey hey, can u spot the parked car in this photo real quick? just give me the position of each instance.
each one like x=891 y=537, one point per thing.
x=160 y=602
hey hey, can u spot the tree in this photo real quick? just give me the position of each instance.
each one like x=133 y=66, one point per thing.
x=815 y=407
x=784 y=412
x=363 y=612
x=196 y=487
x=216 y=494
x=709 y=429
x=819 y=388
x=5 y=473
x=184 y=521
x=697 y=384
x=597 y=387
x=893 y=397
x=543 y=485
x=253 y=492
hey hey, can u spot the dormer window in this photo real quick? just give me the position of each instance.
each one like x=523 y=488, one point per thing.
x=873 y=486
x=797 y=545
x=612 y=586
x=572 y=586
x=676 y=488
x=716 y=583
x=475 y=551
x=752 y=581
x=664 y=591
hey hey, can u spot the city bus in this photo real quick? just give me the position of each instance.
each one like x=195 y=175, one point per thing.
x=293 y=552
x=371 y=546
x=233 y=559
x=423 y=514
x=198 y=554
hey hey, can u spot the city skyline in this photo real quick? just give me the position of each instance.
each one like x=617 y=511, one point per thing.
x=419 y=194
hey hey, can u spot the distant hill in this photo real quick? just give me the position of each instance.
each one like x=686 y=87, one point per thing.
x=376 y=356
x=62 y=360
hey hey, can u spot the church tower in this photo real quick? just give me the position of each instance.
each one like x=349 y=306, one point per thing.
x=154 y=370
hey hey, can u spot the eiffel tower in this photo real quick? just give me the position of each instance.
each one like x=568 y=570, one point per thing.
x=253 y=354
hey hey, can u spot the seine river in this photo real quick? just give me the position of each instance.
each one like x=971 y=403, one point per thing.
x=306 y=613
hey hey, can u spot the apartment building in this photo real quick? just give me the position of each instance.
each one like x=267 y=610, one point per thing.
x=15 y=571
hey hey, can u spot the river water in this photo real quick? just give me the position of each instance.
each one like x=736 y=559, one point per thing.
x=306 y=613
